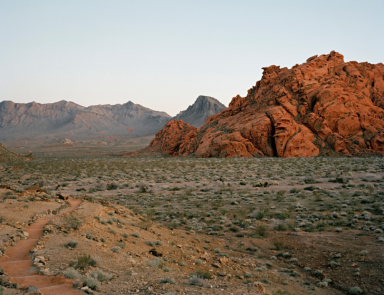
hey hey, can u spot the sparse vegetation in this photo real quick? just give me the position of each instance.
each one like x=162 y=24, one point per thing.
x=263 y=215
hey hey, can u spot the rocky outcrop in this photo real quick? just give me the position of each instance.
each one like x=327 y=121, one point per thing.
x=7 y=155
x=172 y=138
x=203 y=108
x=321 y=107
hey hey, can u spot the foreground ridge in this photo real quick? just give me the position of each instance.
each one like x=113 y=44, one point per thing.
x=17 y=262
x=323 y=107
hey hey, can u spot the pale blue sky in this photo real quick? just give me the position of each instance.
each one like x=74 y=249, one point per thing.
x=163 y=54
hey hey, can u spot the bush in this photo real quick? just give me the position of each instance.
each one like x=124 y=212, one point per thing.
x=278 y=243
x=261 y=230
x=167 y=281
x=111 y=186
x=72 y=222
x=115 y=249
x=72 y=274
x=91 y=283
x=85 y=261
x=155 y=262
x=281 y=227
x=196 y=281
x=101 y=276
x=260 y=215
x=202 y=274
x=71 y=244
x=355 y=291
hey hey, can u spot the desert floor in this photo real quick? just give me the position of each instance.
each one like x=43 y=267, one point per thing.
x=200 y=226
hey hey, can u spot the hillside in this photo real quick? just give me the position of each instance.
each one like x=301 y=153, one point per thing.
x=24 y=120
x=67 y=119
x=7 y=155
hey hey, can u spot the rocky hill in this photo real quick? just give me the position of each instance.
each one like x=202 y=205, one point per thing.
x=324 y=106
x=63 y=117
x=7 y=155
x=197 y=114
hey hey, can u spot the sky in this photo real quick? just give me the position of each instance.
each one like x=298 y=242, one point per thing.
x=164 y=54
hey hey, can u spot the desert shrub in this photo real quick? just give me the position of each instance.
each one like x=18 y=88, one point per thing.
x=112 y=186
x=260 y=215
x=261 y=230
x=196 y=281
x=333 y=264
x=143 y=188
x=115 y=249
x=155 y=262
x=252 y=249
x=355 y=291
x=310 y=180
x=85 y=261
x=167 y=281
x=281 y=227
x=72 y=222
x=202 y=274
x=145 y=224
x=278 y=243
x=72 y=274
x=101 y=276
x=92 y=283
x=71 y=244
x=282 y=215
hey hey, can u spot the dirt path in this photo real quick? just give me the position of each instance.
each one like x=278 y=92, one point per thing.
x=17 y=262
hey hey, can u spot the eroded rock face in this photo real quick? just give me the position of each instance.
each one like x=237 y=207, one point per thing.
x=322 y=107
x=171 y=137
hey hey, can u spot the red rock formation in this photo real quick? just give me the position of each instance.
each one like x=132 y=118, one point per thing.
x=171 y=137
x=322 y=107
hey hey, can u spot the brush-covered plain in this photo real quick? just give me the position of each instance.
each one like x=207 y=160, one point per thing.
x=203 y=226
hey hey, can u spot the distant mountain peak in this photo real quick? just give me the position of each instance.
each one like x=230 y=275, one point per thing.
x=197 y=113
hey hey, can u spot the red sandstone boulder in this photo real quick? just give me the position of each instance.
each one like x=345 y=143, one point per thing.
x=322 y=107
x=170 y=138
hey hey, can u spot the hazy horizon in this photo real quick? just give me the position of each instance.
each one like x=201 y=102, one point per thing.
x=163 y=55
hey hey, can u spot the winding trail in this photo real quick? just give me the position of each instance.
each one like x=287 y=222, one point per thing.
x=17 y=262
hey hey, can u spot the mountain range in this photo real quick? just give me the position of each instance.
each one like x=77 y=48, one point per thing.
x=65 y=118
